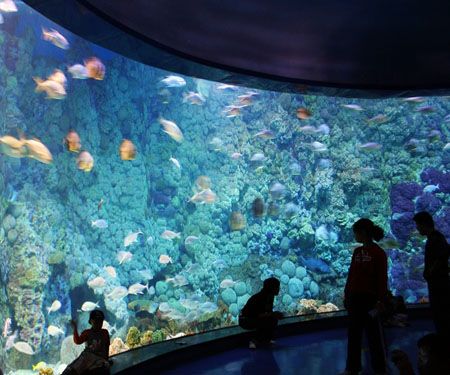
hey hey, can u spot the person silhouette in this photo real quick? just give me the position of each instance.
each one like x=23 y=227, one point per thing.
x=94 y=358
x=436 y=272
x=258 y=314
x=365 y=291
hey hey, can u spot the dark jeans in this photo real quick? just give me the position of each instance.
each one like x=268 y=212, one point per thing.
x=439 y=295
x=360 y=320
x=264 y=327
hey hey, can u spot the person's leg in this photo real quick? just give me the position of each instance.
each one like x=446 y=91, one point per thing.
x=439 y=295
x=265 y=329
x=376 y=344
x=355 y=331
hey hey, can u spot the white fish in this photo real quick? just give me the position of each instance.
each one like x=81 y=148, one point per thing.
x=227 y=283
x=258 y=157
x=178 y=280
x=111 y=271
x=414 y=99
x=23 y=347
x=100 y=223
x=190 y=240
x=89 y=306
x=117 y=293
x=131 y=238
x=165 y=259
x=354 y=107
x=54 y=330
x=7 y=327
x=318 y=147
x=175 y=162
x=447 y=147
x=177 y=335
x=430 y=188
x=225 y=86
x=170 y=235
x=98 y=282
x=174 y=81
x=8 y=6
x=2 y=20
x=55 y=37
x=56 y=305
x=78 y=71
x=10 y=341
x=194 y=98
x=137 y=288
x=235 y=155
x=124 y=256
x=147 y=274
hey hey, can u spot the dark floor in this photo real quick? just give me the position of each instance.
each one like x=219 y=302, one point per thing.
x=312 y=353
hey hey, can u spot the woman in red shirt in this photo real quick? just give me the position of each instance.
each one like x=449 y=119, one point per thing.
x=365 y=291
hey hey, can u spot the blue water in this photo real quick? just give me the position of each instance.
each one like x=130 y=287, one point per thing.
x=167 y=242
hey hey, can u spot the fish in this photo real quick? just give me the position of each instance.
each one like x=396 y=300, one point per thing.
x=317 y=146
x=99 y=223
x=117 y=293
x=111 y=271
x=258 y=157
x=203 y=182
x=85 y=161
x=434 y=135
x=56 y=305
x=127 y=150
x=414 y=99
x=98 y=282
x=39 y=366
x=189 y=240
x=95 y=68
x=147 y=274
x=205 y=196
x=173 y=81
x=178 y=280
x=431 y=188
x=324 y=129
x=58 y=76
x=72 y=141
x=277 y=191
x=100 y=204
x=303 y=113
x=89 y=306
x=189 y=304
x=170 y=235
x=378 y=119
x=55 y=37
x=8 y=6
x=171 y=129
x=235 y=155
x=2 y=20
x=290 y=210
x=193 y=98
x=165 y=259
x=137 y=288
x=425 y=109
x=13 y=147
x=308 y=129
x=193 y=268
x=54 y=330
x=38 y=151
x=227 y=283
x=354 y=107
x=389 y=243
x=124 y=256
x=131 y=238
x=265 y=134
x=53 y=89
x=446 y=147
x=225 y=86
x=78 y=71
x=7 y=327
x=258 y=207
x=233 y=110
x=23 y=347
x=10 y=340
x=370 y=146
x=175 y=162
x=316 y=264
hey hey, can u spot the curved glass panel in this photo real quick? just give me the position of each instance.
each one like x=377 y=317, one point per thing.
x=214 y=189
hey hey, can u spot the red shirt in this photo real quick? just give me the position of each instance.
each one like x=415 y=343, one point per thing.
x=368 y=272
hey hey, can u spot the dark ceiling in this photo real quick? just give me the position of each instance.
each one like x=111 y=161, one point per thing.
x=336 y=47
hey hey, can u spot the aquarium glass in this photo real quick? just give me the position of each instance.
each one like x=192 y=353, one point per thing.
x=165 y=200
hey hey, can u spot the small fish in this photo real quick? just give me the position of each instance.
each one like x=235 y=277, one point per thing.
x=85 y=161
x=89 y=306
x=56 y=305
x=117 y=293
x=53 y=89
x=414 y=99
x=378 y=119
x=308 y=129
x=389 y=243
x=247 y=99
x=99 y=223
x=165 y=259
x=23 y=347
x=354 y=107
x=205 y=196
x=431 y=188
x=58 y=76
x=190 y=240
x=193 y=98
x=39 y=366
x=370 y=146
x=147 y=274
x=111 y=271
x=277 y=191
x=78 y=71
x=10 y=340
x=225 y=86
x=447 y=147
x=233 y=110
x=235 y=155
x=173 y=81
x=323 y=129
x=137 y=288
x=54 y=331
x=265 y=134
x=131 y=238
x=72 y=141
x=434 y=135
x=53 y=36
x=425 y=109
x=171 y=129
x=100 y=204
x=317 y=146
x=124 y=256
x=98 y=282
x=175 y=162
x=95 y=68
x=258 y=157
x=227 y=283
x=303 y=113
x=170 y=235
x=7 y=327
x=38 y=151
x=127 y=150
x=178 y=280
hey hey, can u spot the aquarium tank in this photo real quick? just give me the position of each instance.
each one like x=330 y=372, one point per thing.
x=165 y=200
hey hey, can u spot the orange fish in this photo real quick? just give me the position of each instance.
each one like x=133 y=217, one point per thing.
x=127 y=150
x=203 y=182
x=95 y=68
x=85 y=161
x=303 y=113
x=72 y=141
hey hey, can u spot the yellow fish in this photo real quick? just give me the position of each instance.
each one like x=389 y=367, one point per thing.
x=37 y=150
x=53 y=89
x=172 y=129
x=39 y=366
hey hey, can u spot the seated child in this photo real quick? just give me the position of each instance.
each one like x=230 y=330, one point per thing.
x=94 y=358
x=258 y=313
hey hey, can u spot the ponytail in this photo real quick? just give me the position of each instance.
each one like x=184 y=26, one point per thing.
x=367 y=226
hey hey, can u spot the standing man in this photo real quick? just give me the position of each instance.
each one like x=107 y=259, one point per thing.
x=436 y=272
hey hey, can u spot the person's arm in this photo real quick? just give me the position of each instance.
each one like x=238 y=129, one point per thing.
x=77 y=339
x=439 y=247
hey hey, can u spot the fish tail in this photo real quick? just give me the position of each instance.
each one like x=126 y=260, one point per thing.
x=45 y=33
x=38 y=82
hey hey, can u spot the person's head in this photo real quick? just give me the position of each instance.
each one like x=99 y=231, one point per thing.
x=424 y=222
x=365 y=231
x=96 y=319
x=271 y=286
